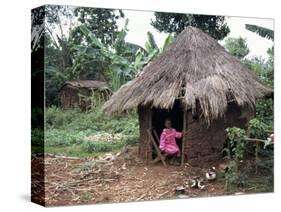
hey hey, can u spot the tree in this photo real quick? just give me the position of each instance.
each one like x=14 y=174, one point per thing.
x=151 y=50
x=265 y=71
x=101 y=22
x=37 y=28
x=215 y=26
x=261 y=31
x=122 y=60
x=237 y=47
x=115 y=60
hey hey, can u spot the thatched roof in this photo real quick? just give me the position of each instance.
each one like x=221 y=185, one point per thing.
x=196 y=69
x=85 y=84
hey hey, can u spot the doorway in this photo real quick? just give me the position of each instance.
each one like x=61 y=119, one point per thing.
x=175 y=114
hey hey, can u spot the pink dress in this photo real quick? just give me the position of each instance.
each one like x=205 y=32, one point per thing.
x=168 y=142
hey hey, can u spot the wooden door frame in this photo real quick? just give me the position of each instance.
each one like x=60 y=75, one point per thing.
x=183 y=137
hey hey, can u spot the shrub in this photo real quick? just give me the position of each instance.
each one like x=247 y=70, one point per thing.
x=102 y=146
x=56 y=137
x=234 y=178
x=237 y=142
x=97 y=146
x=132 y=140
x=257 y=129
x=57 y=118
x=94 y=120
x=37 y=137
x=69 y=128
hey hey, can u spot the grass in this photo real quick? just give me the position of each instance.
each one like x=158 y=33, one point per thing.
x=86 y=196
x=75 y=133
x=260 y=184
x=249 y=181
x=255 y=184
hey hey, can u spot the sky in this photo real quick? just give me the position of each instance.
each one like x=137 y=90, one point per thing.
x=139 y=24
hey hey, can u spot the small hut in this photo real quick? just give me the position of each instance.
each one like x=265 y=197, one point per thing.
x=200 y=87
x=82 y=93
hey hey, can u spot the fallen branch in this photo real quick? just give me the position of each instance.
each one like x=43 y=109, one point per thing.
x=163 y=194
x=141 y=197
x=255 y=140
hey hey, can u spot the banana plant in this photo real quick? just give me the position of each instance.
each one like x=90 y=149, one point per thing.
x=261 y=31
x=118 y=67
x=151 y=51
x=121 y=60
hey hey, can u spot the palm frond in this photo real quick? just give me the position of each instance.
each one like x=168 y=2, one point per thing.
x=151 y=40
x=261 y=31
x=167 y=41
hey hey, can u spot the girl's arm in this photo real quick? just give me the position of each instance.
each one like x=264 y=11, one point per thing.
x=162 y=141
x=178 y=134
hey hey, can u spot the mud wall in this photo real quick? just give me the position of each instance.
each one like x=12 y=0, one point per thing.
x=145 y=119
x=205 y=143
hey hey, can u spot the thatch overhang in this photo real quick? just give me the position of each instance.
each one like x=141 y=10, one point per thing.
x=196 y=69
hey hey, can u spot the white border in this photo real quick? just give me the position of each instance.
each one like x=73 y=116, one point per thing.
x=15 y=103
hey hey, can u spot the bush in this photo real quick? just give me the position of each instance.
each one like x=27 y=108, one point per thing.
x=233 y=176
x=72 y=128
x=237 y=142
x=37 y=137
x=94 y=120
x=258 y=129
x=132 y=140
x=97 y=146
x=101 y=146
x=56 y=137
x=57 y=118
x=265 y=111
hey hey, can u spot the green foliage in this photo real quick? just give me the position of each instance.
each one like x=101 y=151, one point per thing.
x=101 y=22
x=151 y=51
x=37 y=140
x=237 y=142
x=234 y=176
x=258 y=129
x=56 y=118
x=237 y=176
x=97 y=98
x=64 y=59
x=265 y=112
x=56 y=137
x=54 y=79
x=92 y=48
x=122 y=61
x=95 y=119
x=37 y=137
x=215 y=26
x=86 y=196
x=101 y=146
x=235 y=179
x=68 y=131
x=37 y=117
x=237 y=47
x=169 y=39
x=151 y=43
x=263 y=69
x=262 y=31
x=117 y=66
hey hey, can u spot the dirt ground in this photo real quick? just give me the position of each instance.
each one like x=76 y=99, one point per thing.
x=117 y=177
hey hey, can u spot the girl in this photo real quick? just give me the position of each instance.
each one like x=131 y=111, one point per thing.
x=168 y=137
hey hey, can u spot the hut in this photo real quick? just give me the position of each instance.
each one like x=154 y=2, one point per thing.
x=200 y=87
x=82 y=93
